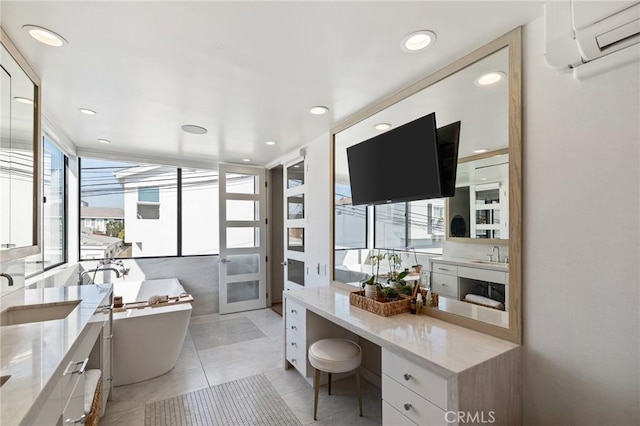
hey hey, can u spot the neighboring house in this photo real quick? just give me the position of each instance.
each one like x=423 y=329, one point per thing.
x=95 y=219
x=94 y=246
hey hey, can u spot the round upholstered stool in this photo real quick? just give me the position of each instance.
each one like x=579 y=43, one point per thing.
x=334 y=356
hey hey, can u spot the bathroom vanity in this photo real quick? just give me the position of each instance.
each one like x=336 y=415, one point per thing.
x=44 y=358
x=431 y=369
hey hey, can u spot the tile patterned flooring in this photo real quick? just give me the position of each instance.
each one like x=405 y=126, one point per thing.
x=221 y=348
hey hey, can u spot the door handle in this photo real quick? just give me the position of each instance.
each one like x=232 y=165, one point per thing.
x=223 y=260
x=283 y=263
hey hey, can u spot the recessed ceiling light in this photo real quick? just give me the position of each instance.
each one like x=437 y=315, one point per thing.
x=270 y=143
x=193 y=129
x=23 y=100
x=480 y=151
x=87 y=111
x=490 y=78
x=105 y=141
x=418 y=40
x=319 y=110
x=483 y=178
x=45 y=36
x=246 y=160
x=382 y=126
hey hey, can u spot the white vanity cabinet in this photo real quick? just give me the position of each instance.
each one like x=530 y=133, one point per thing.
x=92 y=350
x=411 y=394
x=295 y=337
x=444 y=279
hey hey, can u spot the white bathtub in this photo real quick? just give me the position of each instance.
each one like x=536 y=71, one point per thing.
x=147 y=342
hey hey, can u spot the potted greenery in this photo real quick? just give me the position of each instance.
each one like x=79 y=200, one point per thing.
x=370 y=284
x=392 y=293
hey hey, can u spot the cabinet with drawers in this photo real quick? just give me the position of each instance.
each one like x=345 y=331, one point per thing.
x=411 y=393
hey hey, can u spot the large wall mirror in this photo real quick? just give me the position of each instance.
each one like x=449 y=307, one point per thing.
x=19 y=154
x=486 y=205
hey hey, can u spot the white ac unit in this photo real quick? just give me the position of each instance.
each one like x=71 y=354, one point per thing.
x=591 y=37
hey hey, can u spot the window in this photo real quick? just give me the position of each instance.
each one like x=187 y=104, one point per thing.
x=200 y=212
x=54 y=217
x=350 y=222
x=133 y=209
x=417 y=224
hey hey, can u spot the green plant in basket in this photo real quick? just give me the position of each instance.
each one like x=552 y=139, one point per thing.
x=391 y=293
x=406 y=289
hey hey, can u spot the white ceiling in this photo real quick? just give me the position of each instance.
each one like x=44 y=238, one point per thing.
x=247 y=71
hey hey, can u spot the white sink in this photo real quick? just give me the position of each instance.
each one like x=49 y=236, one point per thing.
x=24 y=314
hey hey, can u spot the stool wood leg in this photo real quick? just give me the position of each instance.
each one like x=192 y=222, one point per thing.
x=316 y=387
x=359 y=390
x=329 y=386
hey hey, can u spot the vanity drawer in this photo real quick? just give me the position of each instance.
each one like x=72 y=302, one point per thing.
x=483 y=274
x=415 y=378
x=416 y=408
x=444 y=268
x=296 y=352
x=393 y=417
x=447 y=285
x=295 y=309
x=296 y=325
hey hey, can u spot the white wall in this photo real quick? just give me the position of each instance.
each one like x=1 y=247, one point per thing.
x=581 y=238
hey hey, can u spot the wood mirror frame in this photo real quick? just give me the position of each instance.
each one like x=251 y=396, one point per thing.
x=512 y=40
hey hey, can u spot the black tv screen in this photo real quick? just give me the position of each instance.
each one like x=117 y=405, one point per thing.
x=404 y=164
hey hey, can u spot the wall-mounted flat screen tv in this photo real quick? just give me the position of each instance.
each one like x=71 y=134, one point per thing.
x=415 y=161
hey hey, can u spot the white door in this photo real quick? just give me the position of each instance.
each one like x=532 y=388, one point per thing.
x=295 y=220
x=243 y=236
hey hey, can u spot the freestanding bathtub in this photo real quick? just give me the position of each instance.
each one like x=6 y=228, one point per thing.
x=147 y=342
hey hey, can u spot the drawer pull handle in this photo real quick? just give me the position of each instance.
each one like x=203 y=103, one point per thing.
x=79 y=421
x=443 y=269
x=444 y=284
x=294 y=344
x=81 y=365
x=293 y=327
x=293 y=360
x=407 y=376
x=293 y=311
x=407 y=406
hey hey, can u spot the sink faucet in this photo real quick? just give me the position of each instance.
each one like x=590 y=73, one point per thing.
x=8 y=277
x=83 y=273
x=493 y=251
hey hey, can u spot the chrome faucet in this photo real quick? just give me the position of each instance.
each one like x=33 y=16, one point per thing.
x=8 y=277
x=493 y=251
x=81 y=274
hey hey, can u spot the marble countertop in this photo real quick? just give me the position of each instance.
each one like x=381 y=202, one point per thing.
x=33 y=353
x=473 y=263
x=444 y=348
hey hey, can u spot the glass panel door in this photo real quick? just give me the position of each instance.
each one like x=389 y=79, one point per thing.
x=295 y=270
x=243 y=283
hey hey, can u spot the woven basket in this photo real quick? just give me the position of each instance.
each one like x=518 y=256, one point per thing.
x=385 y=309
x=93 y=416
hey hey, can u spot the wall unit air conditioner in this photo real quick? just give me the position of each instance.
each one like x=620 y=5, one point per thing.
x=590 y=38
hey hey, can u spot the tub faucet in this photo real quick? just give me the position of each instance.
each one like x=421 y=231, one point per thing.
x=83 y=273
x=8 y=277
x=493 y=251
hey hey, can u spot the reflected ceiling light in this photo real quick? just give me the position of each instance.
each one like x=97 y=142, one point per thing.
x=105 y=141
x=45 y=36
x=483 y=178
x=490 y=78
x=418 y=40
x=193 y=129
x=246 y=160
x=87 y=111
x=382 y=126
x=270 y=143
x=480 y=151
x=319 y=110
x=22 y=100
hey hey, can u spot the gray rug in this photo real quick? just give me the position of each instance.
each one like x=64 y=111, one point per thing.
x=248 y=401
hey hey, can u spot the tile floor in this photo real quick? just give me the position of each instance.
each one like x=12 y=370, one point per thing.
x=221 y=348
